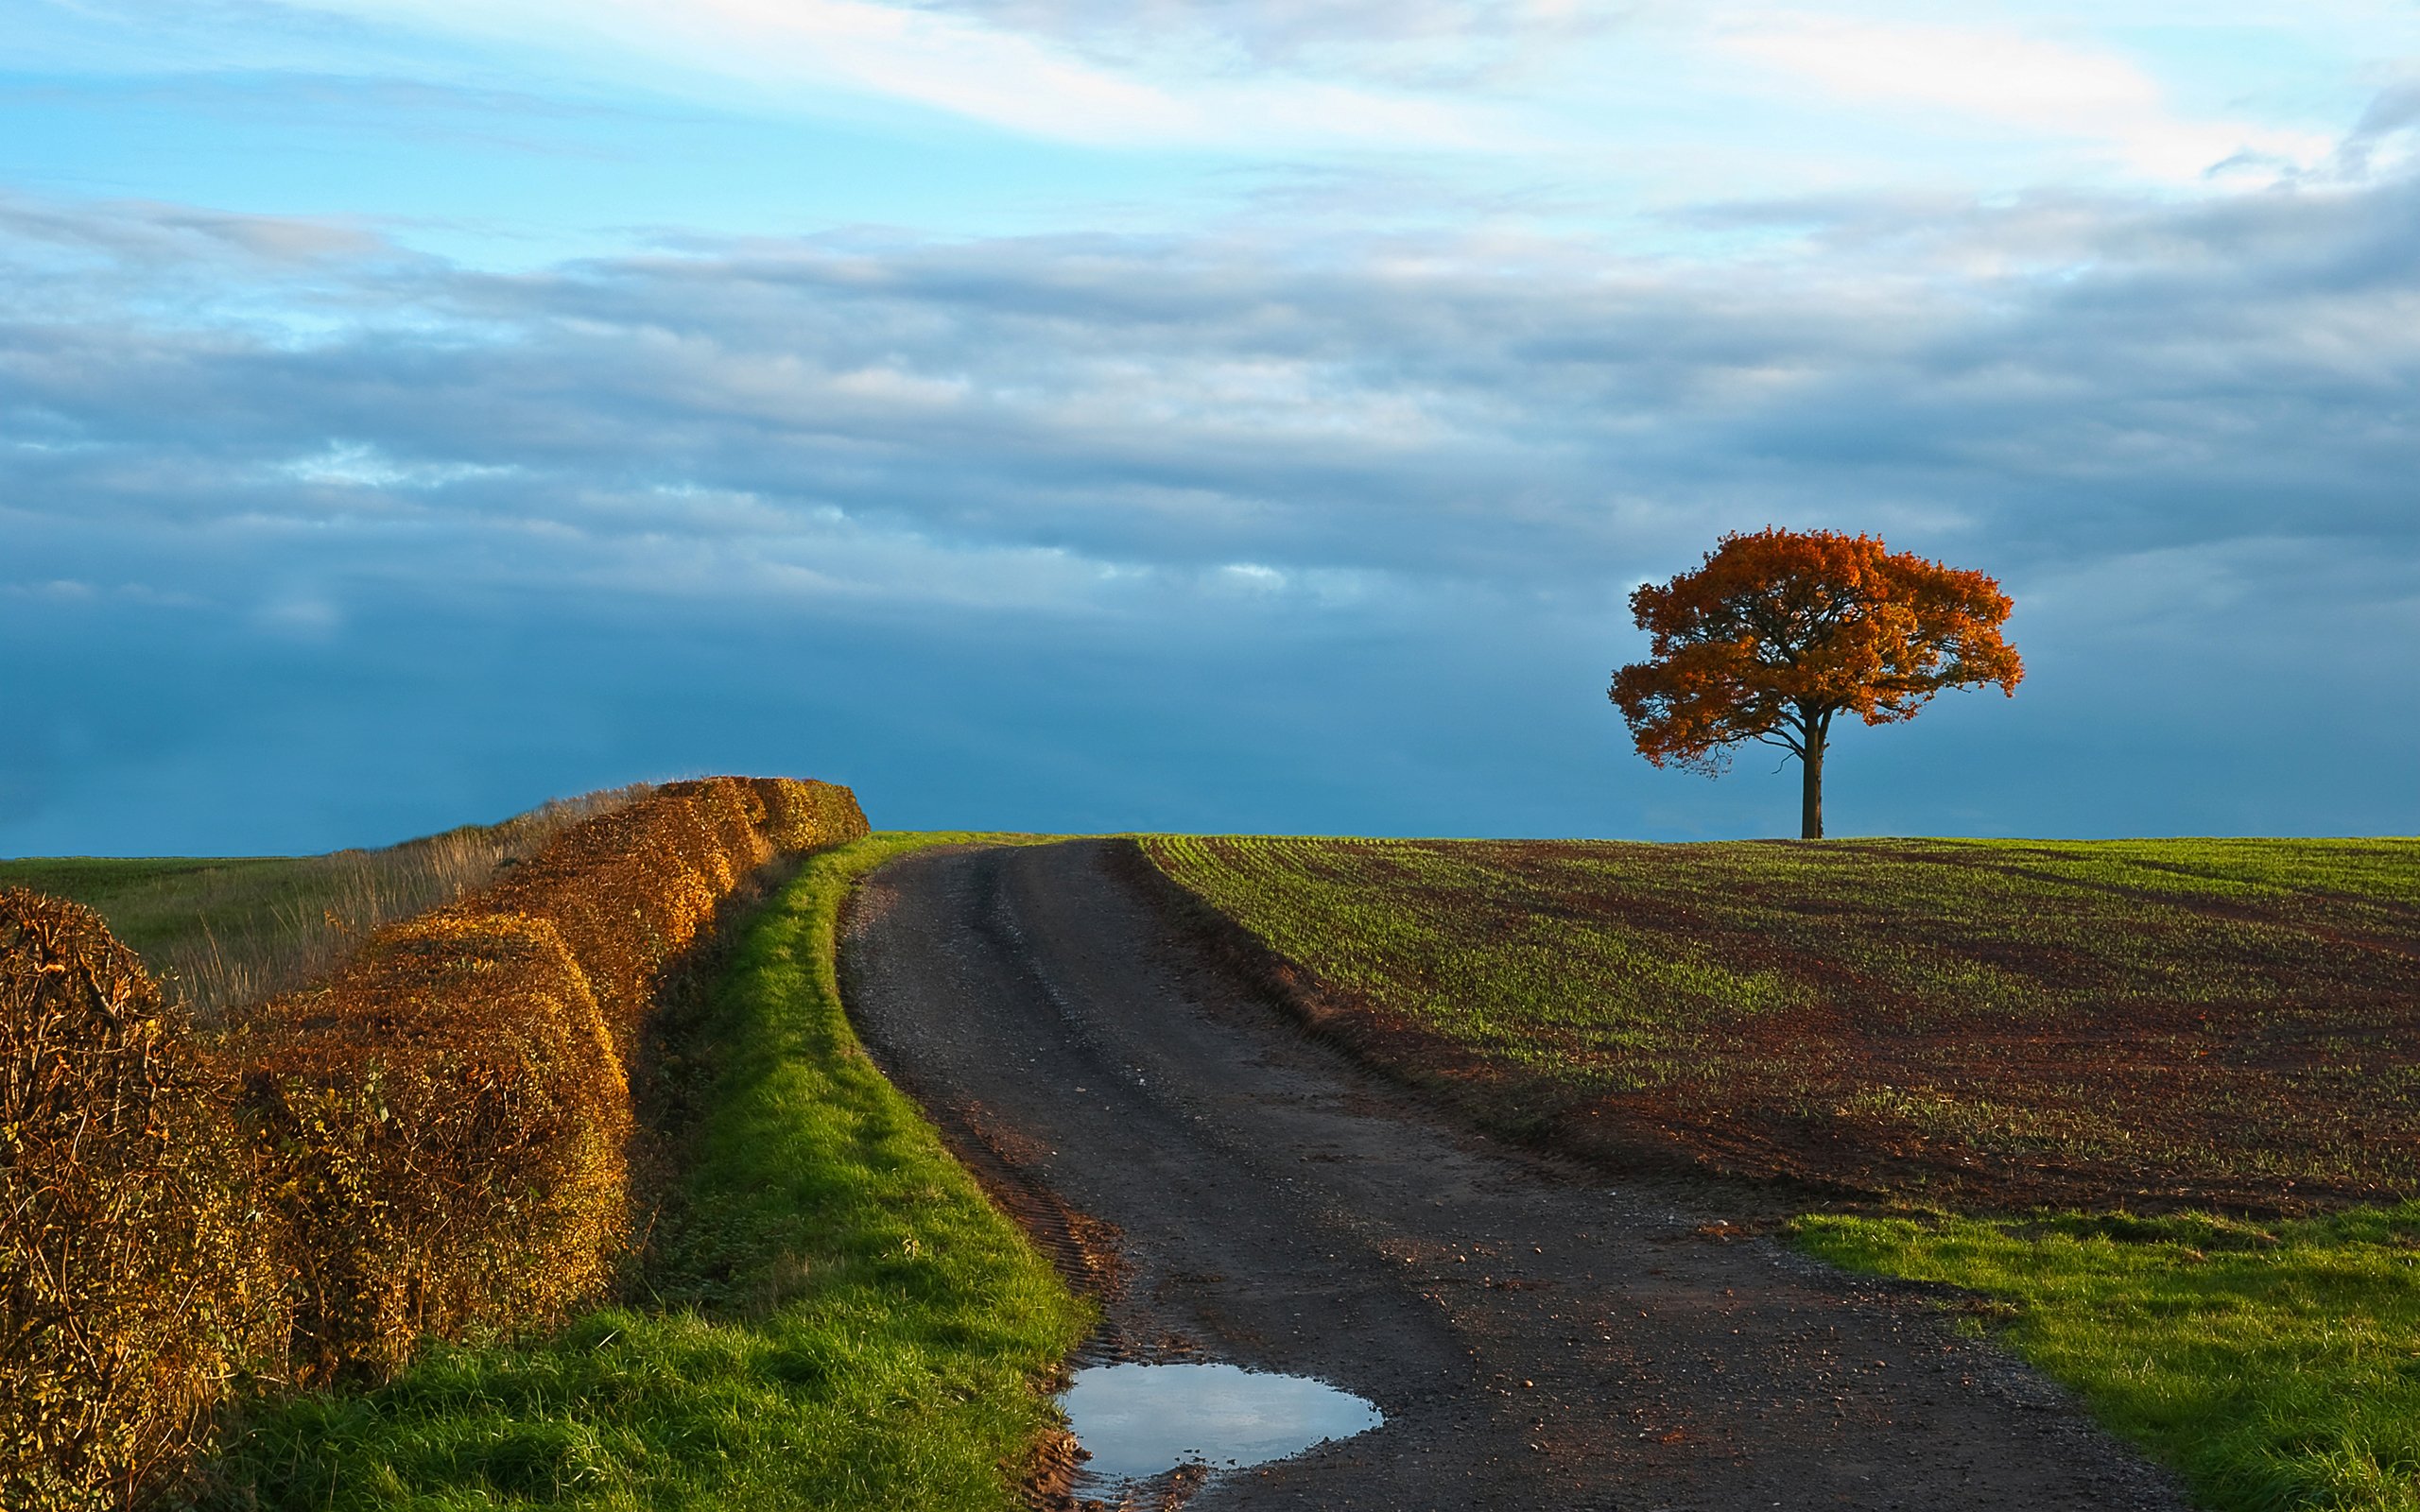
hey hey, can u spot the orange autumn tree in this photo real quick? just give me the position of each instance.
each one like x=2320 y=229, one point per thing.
x=1782 y=631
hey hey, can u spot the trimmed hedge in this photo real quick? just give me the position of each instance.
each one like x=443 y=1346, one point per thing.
x=131 y=1282
x=433 y=1142
x=441 y=1128
x=439 y=1133
x=631 y=889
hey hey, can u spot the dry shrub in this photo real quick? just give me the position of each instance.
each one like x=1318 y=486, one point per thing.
x=131 y=1282
x=631 y=889
x=442 y=1128
x=440 y=1131
x=807 y=816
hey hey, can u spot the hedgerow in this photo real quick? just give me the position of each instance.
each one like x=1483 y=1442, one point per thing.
x=130 y=1286
x=431 y=1143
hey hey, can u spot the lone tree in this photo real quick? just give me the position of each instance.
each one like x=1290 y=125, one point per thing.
x=1782 y=630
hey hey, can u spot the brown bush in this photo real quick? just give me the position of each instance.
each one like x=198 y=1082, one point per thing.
x=440 y=1131
x=630 y=891
x=807 y=816
x=441 y=1128
x=131 y=1285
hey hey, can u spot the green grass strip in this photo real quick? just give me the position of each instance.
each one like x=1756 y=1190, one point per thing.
x=846 y=1322
x=2275 y=1366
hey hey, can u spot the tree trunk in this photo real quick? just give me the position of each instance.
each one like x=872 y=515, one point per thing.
x=1810 y=804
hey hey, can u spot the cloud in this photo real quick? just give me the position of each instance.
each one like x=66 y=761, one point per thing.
x=2387 y=137
x=161 y=241
x=1336 y=490
x=1424 y=43
x=999 y=66
x=1500 y=410
x=2010 y=80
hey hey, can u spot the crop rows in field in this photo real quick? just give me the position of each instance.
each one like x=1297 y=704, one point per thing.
x=2151 y=1023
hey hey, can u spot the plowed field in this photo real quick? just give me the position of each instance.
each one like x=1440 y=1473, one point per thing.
x=2140 y=1025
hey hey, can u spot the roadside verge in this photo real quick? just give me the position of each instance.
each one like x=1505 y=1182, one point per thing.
x=835 y=1318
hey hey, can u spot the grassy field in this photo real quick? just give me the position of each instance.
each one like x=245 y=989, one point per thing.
x=834 y=1317
x=2192 y=1024
x=2276 y=1365
x=224 y=930
x=161 y=905
x=2026 y=1064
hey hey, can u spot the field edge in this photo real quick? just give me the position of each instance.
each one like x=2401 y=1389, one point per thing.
x=836 y=1315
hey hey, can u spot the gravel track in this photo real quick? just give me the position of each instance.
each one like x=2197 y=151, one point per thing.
x=1538 y=1337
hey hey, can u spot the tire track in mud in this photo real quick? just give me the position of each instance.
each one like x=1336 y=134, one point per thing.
x=1232 y=1188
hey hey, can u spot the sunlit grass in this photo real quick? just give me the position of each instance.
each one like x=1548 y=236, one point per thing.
x=2276 y=1366
x=837 y=1318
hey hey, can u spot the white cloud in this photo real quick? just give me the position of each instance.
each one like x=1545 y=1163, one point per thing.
x=963 y=66
x=303 y=616
x=1425 y=43
x=2006 y=79
x=356 y=465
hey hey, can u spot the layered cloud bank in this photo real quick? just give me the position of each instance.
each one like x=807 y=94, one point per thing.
x=1230 y=527
x=1185 y=413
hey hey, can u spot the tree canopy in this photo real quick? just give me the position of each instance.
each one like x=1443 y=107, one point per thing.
x=1782 y=630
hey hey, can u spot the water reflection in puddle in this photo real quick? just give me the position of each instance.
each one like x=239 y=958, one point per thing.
x=1137 y=1420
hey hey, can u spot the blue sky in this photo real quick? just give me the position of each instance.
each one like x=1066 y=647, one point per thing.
x=1205 y=414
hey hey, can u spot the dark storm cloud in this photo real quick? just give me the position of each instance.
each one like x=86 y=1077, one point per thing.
x=2185 y=434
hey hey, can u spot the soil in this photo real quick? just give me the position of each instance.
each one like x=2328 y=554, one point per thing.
x=2162 y=1067
x=1538 y=1333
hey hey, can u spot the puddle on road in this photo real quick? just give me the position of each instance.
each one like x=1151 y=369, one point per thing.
x=1139 y=1420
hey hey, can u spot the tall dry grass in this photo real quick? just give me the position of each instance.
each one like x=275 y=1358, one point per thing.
x=252 y=938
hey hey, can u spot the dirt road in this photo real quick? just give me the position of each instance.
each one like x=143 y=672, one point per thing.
x=1536 y=1338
